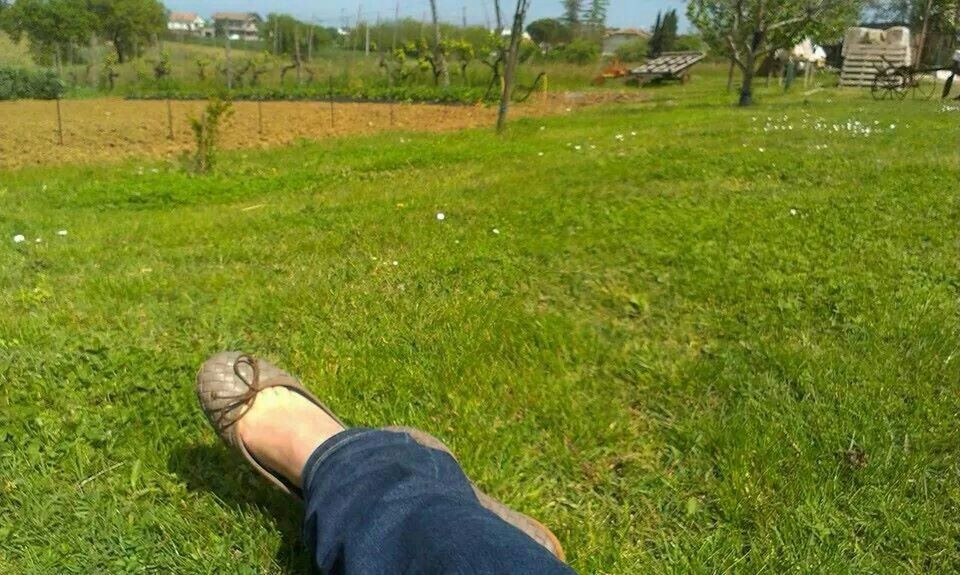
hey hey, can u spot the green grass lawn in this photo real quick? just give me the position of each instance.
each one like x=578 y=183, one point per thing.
x=705 y=348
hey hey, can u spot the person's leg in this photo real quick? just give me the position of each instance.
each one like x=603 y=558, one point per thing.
x=378 y=502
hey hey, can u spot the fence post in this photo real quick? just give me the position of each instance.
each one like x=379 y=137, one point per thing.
x=260 y=116
x=331 y=101
x=545 y=79
x=169 y=120
x=59 y=123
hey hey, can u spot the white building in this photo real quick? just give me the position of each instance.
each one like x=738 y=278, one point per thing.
x=186 y=23
x=238 y=25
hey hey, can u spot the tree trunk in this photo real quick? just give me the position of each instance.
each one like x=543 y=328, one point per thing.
x=923 y=34
x=746 y=90
x=296 y=55
x=439 y=61
x=733 y=65
x=510 y=67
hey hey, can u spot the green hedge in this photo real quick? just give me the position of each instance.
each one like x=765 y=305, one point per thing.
x=17 y=83
x=432 y=94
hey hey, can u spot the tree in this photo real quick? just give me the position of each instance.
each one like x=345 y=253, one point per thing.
x=510 y=66
x=51 y=25
x=280 y=31
x=669 y=33
x=128 y=23
x=664 y=35
x=572 y=11
x=595 y=16
x=549 y=32
x=748 y=30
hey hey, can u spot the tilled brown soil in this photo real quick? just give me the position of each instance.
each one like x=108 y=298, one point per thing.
x=106 y=129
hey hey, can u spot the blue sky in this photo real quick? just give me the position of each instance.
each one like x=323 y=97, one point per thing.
x=622 y=13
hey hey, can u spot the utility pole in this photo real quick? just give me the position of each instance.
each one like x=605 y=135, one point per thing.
x=464 y=16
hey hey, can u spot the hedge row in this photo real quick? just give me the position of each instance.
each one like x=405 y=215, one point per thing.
x=17 y=83
x=431 y=94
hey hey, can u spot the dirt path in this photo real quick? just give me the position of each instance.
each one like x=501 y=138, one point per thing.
x=105 y=129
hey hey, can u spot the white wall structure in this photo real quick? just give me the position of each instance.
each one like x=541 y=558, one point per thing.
x=867 y=50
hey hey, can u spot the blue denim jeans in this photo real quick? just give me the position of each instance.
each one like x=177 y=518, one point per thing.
x=379 y=503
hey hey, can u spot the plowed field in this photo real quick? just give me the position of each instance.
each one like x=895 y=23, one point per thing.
x=106 y=129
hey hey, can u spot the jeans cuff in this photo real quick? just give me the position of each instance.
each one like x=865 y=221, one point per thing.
x=332 y=444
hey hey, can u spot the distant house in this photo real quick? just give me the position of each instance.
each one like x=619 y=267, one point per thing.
x=185 y=23
x=616 y=37
x=237 y=25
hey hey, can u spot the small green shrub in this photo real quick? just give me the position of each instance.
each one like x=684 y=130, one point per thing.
x=635 y=51
x=579 y=51
x=206 y=133
x=688 y=43
x=16 y=83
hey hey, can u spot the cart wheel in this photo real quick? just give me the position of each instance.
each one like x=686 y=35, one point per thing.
x=924 y=85
x=888 y=84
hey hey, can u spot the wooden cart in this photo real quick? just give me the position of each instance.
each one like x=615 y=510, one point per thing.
x=666 y=66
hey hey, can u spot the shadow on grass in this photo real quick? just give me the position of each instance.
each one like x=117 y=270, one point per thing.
x=213 y=469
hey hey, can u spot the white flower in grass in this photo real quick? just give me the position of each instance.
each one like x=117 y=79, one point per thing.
x=633 y=133
x=592 y=147
x=19 y=238
x=793 y=212
x=619 y=137
x=761 y=150
x=495 y=231
x=38 y=240
x=543 y=128
x=540 y=153
x=396 y=263
x=577 y=147
x=441 y=216
x=62 y=232
x=893 y=126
